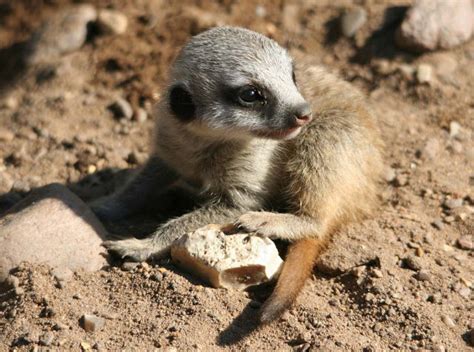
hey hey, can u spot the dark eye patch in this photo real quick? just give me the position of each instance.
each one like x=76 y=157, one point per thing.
x=181 y=103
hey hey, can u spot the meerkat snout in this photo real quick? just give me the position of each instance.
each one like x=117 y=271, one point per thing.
x=303 y=115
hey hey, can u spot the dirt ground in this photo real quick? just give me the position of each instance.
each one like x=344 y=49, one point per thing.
x=399 y=281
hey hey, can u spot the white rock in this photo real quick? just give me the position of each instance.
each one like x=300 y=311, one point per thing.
x=65 y=32
x=424 y=73
x=112 y=22
x=454 y=129
x=51 y=226
x=436 y=24
x=232 y=261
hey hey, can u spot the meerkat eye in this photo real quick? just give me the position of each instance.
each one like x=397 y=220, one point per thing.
x=250 y=94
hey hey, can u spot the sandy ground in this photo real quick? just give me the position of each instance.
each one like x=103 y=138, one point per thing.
x=399 y=281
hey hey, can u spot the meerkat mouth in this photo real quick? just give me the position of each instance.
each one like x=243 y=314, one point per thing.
x=279 y=134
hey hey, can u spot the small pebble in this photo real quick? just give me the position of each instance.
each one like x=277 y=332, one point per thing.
x=112 y=22
x=92 y=323
x=401 y=180
x=46 y=339
x=424 y=73
x=465 y=242
x=454 y=129
x=389 y=174
x=156 y=277
x=129 y=266
x=121 y=109
x=448 y=321
x=423 y=275
x=465 y=292
x=140 y=115
x=377 y=273
x=438 y=224
x=352 y=20
x=412 y=263
x=453 y=203
x=419 y=252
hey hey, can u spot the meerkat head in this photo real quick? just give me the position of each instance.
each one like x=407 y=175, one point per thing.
x=234 y=83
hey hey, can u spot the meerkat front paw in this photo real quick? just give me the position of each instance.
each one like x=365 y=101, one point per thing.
x=260 y=222
x=134 y=249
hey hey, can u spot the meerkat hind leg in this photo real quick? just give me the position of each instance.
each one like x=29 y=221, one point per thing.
x=153 y=178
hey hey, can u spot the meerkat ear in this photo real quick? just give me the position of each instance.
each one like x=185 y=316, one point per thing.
x=181 y=102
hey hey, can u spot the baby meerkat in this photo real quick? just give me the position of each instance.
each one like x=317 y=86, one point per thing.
x=237 y=133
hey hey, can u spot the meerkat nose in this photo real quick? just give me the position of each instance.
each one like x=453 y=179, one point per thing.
x=302 y=114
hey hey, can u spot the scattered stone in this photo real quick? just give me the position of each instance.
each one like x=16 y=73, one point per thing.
x=156 y=277
x=21 y=186
x=236 y=261
x=407 y=71
x=424 y=73
x=419 y=252
x=112 y=22
x=352 y=20
x=66 y=32
x=401 y=180
x=465 y=242
x=436 y=24
x=453 y=203
x=46 y=339
x=62 y=274
x=51 y=226
x=60 y=326
x=389 y=174
x=435 y=298
x=438 y=224
x=92 y=323
x=6 y=135
x=431 y=148
x=121 y=109
x=140 y=115
x=129 y=266
x=377 y=273
x=454 y=129
x=86 y=346
x=423 y=275
x=412 y=263
x=465 y=292
x=448 y=321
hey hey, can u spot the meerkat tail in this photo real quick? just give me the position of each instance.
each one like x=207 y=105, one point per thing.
x=297 y=268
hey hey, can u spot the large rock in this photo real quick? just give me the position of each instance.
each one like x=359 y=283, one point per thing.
x=232 y=261
x=436 y=24
x=51 y=226
x=65 y=32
